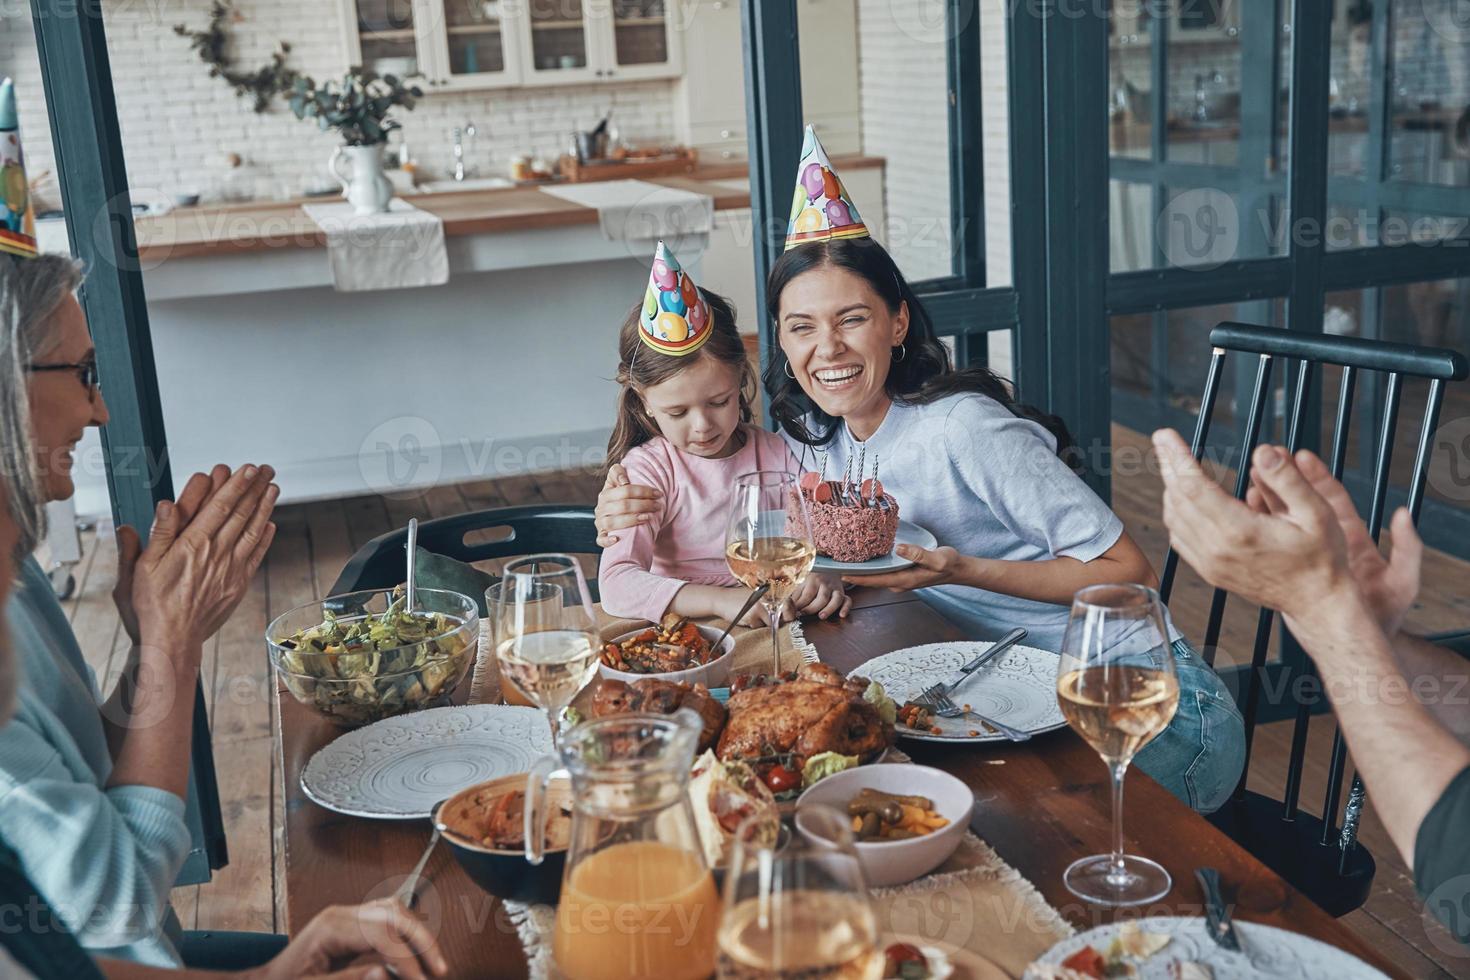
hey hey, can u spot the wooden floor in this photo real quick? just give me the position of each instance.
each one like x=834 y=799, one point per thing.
x=314 y=541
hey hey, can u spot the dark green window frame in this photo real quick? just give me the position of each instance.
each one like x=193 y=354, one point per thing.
x=77 y=76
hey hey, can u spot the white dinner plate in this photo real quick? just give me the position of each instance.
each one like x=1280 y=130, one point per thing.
x=1018 y=688
x=1267 y=952
x=398 y=768
x=908 y=533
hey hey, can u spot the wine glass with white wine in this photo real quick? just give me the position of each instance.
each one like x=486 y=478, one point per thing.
x=1117 y=688
x=769 y=540
x=544 y=631
x=799 y=913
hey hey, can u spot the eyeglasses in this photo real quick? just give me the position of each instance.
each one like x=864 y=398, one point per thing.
x=86 y=373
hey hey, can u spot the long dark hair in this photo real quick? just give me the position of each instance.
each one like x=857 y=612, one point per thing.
x=922 y=374
x=641 y=367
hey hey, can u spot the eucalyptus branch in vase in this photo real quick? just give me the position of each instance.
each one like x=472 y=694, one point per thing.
x=357 y=107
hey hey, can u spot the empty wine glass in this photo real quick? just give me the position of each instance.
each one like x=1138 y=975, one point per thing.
x=769 y=539
x=544 y=631
x=799 y=912
x=1117 y=688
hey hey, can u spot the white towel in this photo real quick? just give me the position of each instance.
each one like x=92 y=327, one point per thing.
x=401 y=247
x=639 y=211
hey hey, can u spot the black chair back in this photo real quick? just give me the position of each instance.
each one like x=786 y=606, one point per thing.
x=566 y=528
x=1319 y=857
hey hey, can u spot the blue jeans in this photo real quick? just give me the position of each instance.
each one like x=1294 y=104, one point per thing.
x=1199 y=757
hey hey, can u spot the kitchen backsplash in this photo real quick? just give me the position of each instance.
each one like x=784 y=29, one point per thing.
x=179 y=126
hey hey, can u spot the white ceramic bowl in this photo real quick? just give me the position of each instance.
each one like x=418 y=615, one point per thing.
x=893 y=862
x=716 y=673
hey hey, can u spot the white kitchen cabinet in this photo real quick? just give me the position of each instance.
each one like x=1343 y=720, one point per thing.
x=641 y=38
x=474 y=44
x=711 y=107
x=480 y=44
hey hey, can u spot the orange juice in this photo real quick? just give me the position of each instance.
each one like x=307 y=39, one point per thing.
x=637 y=909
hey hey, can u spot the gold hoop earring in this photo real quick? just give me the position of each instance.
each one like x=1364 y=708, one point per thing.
x=899 y=353
x=787 y=369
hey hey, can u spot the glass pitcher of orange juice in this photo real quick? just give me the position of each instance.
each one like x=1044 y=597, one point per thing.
x=637 y=899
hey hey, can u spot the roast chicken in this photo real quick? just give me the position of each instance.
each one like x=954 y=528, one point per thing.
x=654 y=696
x=819 y=711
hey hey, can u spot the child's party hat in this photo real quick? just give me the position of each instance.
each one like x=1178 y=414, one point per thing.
x=822 y=210
x=675 y=319
x=17 y=217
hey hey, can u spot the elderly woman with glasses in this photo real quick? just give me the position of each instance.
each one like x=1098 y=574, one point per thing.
x=374 y=938
x=92 y=786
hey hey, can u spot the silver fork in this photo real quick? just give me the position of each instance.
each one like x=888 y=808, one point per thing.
x=944 y=707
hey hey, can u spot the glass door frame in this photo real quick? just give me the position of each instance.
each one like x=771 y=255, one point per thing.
x=77 y=78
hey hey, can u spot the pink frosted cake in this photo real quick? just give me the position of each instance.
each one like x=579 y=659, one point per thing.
x=850 y=523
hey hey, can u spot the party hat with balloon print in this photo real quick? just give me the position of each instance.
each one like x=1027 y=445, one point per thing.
x=821 y=210
x=17 y=217
x=675 y=318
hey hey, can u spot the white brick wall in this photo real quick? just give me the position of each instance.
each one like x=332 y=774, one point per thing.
x=178 y=125
x=904 y=120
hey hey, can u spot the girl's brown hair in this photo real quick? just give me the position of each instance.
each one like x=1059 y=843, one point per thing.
x=641 y=367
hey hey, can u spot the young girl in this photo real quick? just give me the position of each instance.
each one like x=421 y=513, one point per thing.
x=684 y=430
x=860 y=373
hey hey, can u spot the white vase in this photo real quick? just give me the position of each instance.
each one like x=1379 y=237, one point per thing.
x=365 y=186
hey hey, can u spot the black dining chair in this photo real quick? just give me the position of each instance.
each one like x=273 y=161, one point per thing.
x=1318 y=856
x=530 y=530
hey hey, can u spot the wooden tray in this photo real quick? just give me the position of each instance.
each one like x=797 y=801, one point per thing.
x=681 y=162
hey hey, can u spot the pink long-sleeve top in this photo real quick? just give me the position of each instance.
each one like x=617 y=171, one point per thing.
x=684 y=543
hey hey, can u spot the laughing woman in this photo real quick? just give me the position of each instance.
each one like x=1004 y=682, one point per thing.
x=860 y=370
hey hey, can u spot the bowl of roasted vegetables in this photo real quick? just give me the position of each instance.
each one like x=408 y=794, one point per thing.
x=364 y=656
x=673 y=649
x=906 y=820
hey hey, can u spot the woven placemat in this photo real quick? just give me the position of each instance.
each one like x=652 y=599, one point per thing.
x=974 y=901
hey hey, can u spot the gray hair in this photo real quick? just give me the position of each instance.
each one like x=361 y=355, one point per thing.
x=31 y=290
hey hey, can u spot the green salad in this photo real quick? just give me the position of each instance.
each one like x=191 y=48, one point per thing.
x=360 y=669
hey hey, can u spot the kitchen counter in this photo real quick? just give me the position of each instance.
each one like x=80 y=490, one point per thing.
x=260 y=226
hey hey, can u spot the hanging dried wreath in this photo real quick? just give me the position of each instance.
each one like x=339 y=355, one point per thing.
x=261 y=85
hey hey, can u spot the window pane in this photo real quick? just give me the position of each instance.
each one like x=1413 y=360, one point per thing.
x=1429 y=122
x=1349 y=91
x=1216 y=170
x=1434 y=314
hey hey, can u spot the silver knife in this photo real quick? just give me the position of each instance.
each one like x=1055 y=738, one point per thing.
x=996 y=649
x=1217 y=913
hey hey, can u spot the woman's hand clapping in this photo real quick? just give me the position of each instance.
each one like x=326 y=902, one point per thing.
x=201 y=555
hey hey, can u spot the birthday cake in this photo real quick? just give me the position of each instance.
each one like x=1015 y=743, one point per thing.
x=851 y=522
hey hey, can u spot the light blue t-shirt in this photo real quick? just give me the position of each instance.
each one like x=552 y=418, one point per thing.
x=103 y=858
x=988 y=484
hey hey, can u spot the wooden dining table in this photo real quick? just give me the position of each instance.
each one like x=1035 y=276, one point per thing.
x=1040 y=804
